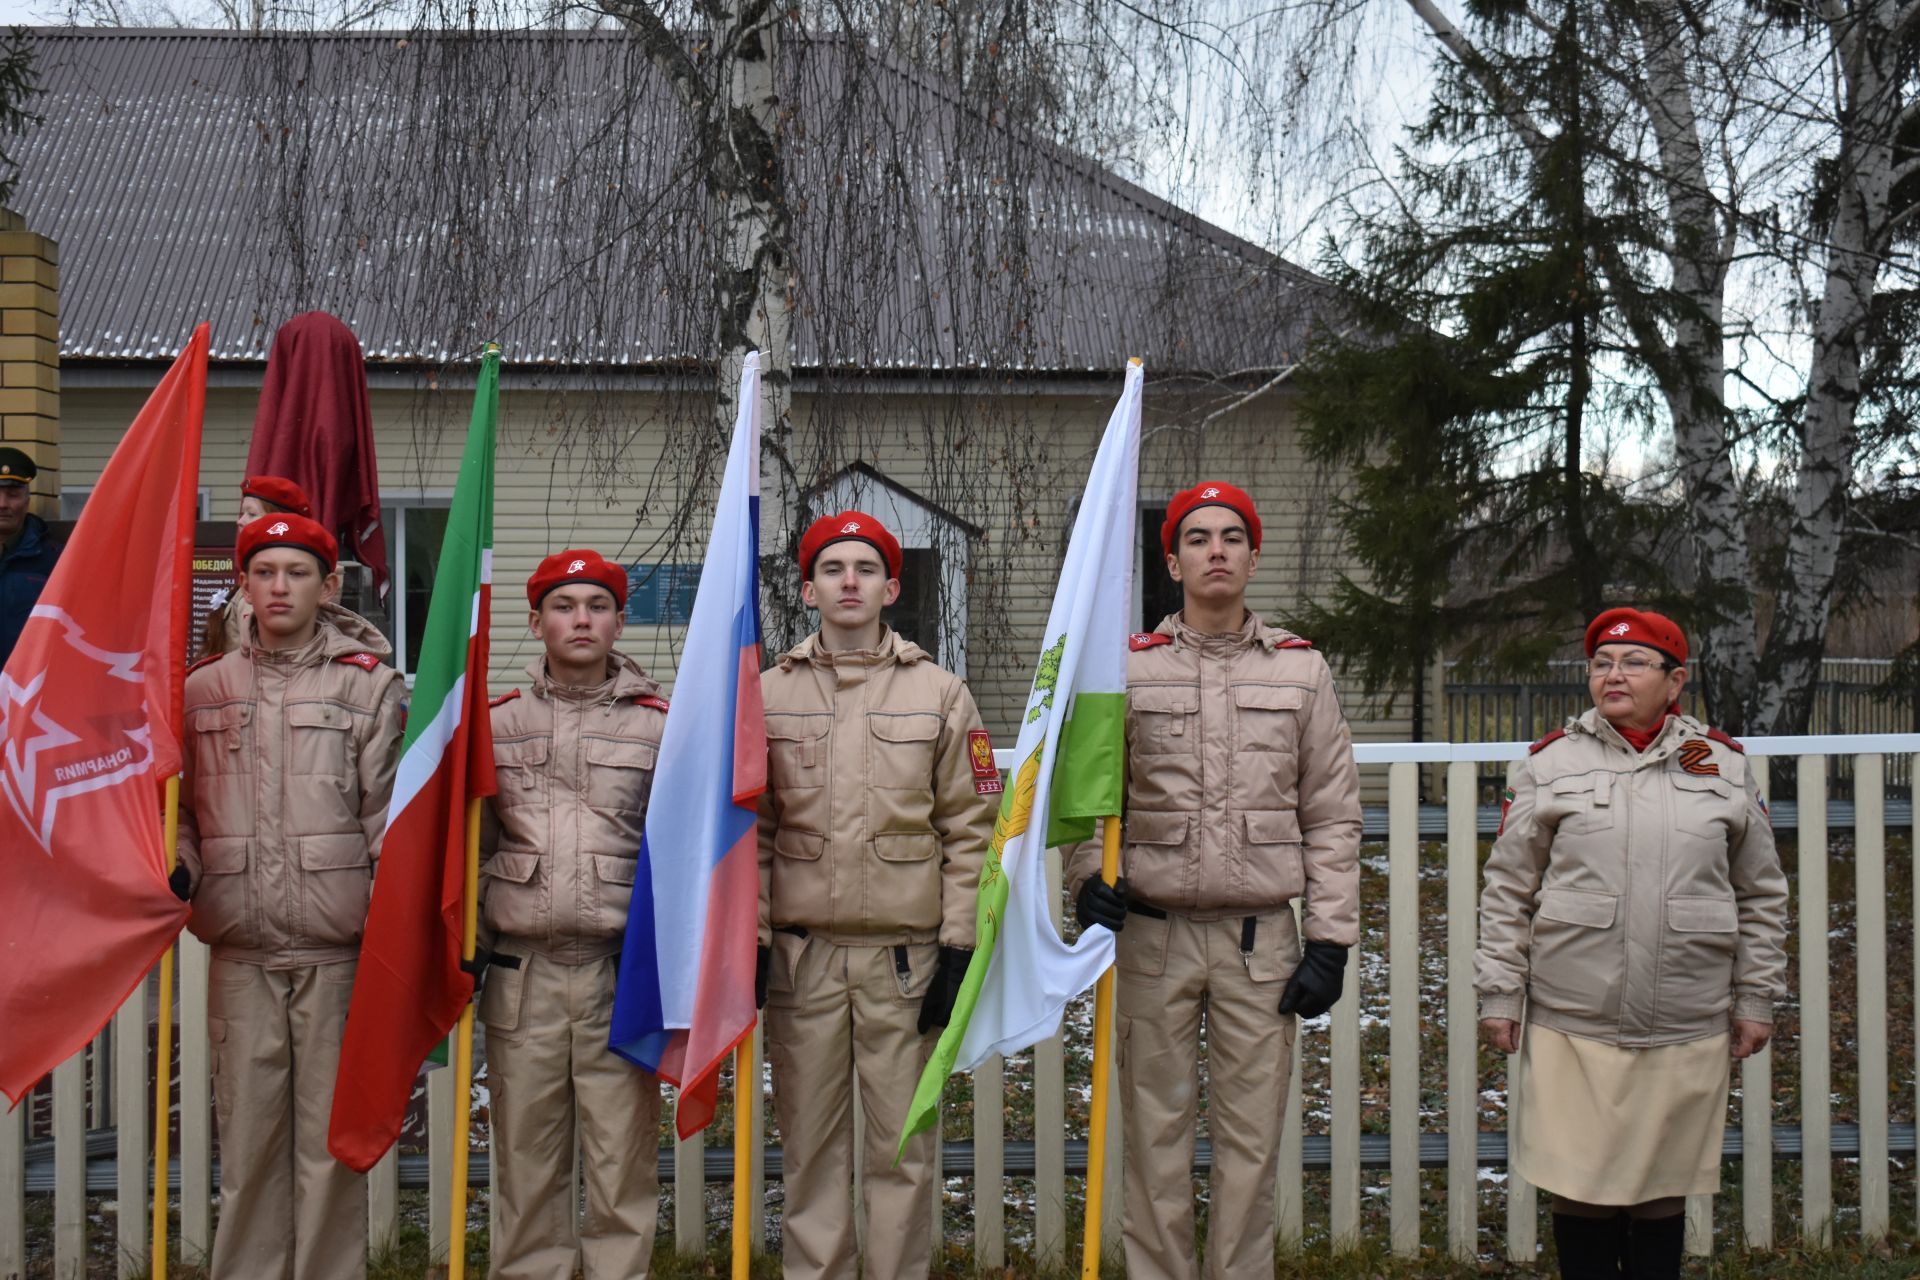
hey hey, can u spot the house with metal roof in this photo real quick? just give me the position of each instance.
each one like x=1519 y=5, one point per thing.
x=964 y=295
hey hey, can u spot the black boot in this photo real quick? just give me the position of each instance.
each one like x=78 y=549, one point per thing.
x=1657 y=1243
x=1589 y=1248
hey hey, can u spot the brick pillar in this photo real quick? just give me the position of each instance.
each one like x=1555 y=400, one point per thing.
x=30 y=354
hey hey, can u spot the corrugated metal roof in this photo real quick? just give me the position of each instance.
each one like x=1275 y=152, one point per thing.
x=542 y=188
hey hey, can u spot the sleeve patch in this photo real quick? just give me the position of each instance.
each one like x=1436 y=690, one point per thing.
x=504 y=698
x=1147 y=639
x=1506 y=803
x=364 y=661
x=650 y=700
x=986 y=774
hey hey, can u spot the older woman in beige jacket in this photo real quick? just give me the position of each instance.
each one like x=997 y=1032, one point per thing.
x=1634 y=923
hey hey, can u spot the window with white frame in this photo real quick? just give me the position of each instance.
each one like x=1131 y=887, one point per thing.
x=415 y=527
x=73 y=500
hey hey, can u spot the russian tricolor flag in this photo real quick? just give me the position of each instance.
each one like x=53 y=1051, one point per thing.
x=684 y=999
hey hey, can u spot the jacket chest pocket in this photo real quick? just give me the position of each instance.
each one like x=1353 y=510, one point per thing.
x=1583 y=802
x=797 y=750
x=1266 y=717
x=1164 y=718
x=520 y=767
x=903 y=749
x=1703 y=806
x=619 y=774
x=221 y=735
x=320 y=740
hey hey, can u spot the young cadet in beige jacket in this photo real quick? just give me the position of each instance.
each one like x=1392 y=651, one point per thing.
x=881 y=792
x=1635 y=918
x=1241 y=796
x=575 y=762
x=291 y=745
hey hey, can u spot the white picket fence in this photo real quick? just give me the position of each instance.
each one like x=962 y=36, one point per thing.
x=119 y=1114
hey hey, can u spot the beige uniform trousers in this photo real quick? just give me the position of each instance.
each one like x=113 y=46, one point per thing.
x=548 y=1066
x=832 y=1010
x=1171 y=971
x=288 y=1209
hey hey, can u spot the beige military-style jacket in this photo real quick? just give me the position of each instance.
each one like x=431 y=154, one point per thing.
x=1242 y=792
x=289 y=764
x=560 y=841
x=1633 y=898
x=881 y=795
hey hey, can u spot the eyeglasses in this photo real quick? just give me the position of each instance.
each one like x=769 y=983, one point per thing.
x=1601 y=668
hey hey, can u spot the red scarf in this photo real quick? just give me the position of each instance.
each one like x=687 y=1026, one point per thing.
x=1641 y=739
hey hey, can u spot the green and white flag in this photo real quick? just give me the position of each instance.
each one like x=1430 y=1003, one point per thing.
x=1069 y=768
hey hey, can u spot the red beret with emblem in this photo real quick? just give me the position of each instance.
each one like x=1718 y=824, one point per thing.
x=1209 y=493
x=288 y=529
x=848 y=526
x=565 y=567
x=1637 y=626
x=278 y=491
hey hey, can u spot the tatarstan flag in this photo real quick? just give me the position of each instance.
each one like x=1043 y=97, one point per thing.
x=410 y=988
x=90 y=708
x=1069 y=768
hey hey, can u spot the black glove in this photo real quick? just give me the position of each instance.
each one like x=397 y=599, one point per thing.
x=948 y=974
x=1314 y=987
x=762 y=965
x=1102 y=903
x=180 y=880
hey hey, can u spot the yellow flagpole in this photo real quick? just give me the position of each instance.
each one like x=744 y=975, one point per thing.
x=163 y=1053
x=746 y=1095
x=463 y=1057
x=1102 y=1072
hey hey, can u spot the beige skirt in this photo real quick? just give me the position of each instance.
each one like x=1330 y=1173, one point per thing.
x=1607 y=1125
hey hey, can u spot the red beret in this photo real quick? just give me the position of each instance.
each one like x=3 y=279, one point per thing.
x=848 y=526
x=1634 y=626
x=288 y=529
x=1209 y=493
x=564 y=567
x=282 y=493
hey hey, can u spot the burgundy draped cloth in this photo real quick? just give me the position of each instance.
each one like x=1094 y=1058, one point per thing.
x=313 y=427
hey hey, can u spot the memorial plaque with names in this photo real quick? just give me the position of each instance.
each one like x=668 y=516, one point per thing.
x=661 y=594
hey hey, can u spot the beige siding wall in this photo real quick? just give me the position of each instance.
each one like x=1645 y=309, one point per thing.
x=1011 y=465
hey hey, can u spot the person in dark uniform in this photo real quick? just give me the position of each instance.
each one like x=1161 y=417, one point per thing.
x=27 y=549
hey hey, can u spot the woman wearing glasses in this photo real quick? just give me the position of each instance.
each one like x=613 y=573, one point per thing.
x=1633 y=932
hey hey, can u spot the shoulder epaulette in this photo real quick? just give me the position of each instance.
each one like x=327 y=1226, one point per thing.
x=1553 y=737
x=1147 y=639
x=1720 y=736
x=1295 y=642
x=504 y=698
x=653 y=700
x=207 y=661
x=364 y=661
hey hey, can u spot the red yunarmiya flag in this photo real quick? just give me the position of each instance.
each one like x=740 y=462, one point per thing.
x=90 y=706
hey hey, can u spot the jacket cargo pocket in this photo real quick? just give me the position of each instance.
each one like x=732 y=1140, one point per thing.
x=1581 y=803
x=1157 y=865
x=906 y=846
x=220 y=736
x=797 y=750
x=904 y=886
x=1266 y=717
x=1696 y=957
x=1576 y=963
x=336 y=881
x=799 y=882
x=510 y=894
x=903 y=749
x=1163 y=718
x=1704 y=807
x=619 y=774
x=224 y=912
x=520 y=765
x=613 y=892
x=320 y=740
x=1271 y=870
x=806 y=846
x=501 y=998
